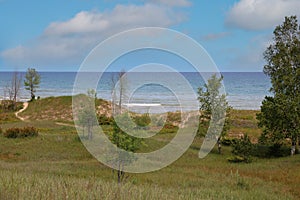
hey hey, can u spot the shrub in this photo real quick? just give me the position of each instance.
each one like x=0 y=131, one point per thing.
x=104 y=120
x=11 y=133
x=243 y=148
x=229 y=141
x=271 y=150
x=143 y=120
x=1 y=131
x=21 y=132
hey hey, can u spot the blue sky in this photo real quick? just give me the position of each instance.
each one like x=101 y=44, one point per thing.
x=57 y=35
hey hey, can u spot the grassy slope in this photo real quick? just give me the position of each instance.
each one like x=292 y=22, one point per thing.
x=55 y=165
x=55 y=109
x=244 y=122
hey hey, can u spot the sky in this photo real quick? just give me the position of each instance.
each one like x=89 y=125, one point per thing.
x=58 y=35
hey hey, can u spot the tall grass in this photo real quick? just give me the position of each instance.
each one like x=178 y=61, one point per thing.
x=21 y=185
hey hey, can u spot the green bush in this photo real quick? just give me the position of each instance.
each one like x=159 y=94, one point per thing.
x=229 y=141
x=271 y=150
x=21 y=132
x=243 y=148
x=143 y=120
x=104 y=120
x=278 y=150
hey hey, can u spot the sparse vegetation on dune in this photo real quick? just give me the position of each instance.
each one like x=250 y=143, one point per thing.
x=57 y=109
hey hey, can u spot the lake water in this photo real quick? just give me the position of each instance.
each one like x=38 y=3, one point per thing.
x=245 y=90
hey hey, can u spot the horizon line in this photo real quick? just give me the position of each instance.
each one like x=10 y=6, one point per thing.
x=136 y=72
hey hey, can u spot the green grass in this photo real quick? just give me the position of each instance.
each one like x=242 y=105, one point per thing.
x=51 y=108
x=244 y=122
x=55 y=165
x=58 y=164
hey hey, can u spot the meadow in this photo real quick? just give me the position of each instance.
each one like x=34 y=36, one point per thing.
x=55 y=165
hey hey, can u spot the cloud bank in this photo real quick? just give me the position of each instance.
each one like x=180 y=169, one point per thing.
x=68 y=42
x=260 y=14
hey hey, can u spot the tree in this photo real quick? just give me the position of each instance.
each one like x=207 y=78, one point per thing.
x=13 y=91
x=125 y=142
x=86 y=115
x=32 y=81
x=280 y=114
x=242 y=149
x=121 y=125
x=214 y=109
x=119 y=91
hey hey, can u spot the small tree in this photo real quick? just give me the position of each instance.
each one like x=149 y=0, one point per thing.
x=214 y=109
x=280 y=114
x=86 y=115
x=125 y=142
x=119 y=91
x=32 y=81
x=242 y=149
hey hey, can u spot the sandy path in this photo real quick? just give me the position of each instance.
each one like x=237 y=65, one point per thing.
x=25 y=105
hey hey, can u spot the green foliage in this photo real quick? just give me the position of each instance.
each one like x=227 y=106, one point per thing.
x=274 y=120
x=214 y=108
x=229 y=141
x=280 y=114
x=142 y=121
x=105 y=120
x=121 y=139
x=242 y=149
x=86 y=115
x=21 y=132
x=125 y=142
x=270 y=151
x=32 y=81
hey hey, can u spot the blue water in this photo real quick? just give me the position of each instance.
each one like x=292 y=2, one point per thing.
x=245 y=90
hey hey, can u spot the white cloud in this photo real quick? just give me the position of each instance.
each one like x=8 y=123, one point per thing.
x=178 y=3
x=68 y=42
x=261 y=14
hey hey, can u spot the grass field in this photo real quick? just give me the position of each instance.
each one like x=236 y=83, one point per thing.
x=55 y=165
